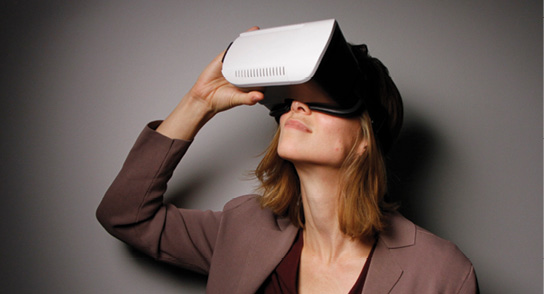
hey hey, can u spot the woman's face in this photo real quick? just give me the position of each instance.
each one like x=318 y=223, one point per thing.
x=312 y=137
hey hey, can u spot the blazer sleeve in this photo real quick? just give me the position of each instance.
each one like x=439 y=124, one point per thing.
x=133 y=211
x=470 y=284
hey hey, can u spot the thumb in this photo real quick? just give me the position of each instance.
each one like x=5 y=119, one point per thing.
x=249 y=98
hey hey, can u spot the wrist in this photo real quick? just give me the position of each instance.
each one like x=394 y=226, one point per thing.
x=186 y=119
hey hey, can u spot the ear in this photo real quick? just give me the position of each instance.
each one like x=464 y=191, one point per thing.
x=361 y=147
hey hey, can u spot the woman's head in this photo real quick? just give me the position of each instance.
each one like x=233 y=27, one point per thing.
x=371 y=90
x=360 y=142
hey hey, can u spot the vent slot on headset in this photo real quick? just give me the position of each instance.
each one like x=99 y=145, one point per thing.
x=260 y=72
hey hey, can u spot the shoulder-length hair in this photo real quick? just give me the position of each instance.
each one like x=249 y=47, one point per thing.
x=363 y=184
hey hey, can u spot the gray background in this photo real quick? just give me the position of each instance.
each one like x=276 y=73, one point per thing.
x=80 y=79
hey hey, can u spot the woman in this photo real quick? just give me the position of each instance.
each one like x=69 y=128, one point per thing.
x=321 y=225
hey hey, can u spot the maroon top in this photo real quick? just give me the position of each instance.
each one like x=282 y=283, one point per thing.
x=284 y=279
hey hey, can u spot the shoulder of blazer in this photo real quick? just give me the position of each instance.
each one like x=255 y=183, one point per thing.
x=409 y=259
x=417 y=248
x=250 y=199
x=401 y=232
x=249 y=204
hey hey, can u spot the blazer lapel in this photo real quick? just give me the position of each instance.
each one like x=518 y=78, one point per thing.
x=384 y=272
x=250 y=253
x=265 y=254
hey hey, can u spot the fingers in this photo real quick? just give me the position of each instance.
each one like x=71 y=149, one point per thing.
x=219 y=91
x=254 y=28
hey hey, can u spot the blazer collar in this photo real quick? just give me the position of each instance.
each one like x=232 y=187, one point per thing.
x=284 y=223
x=266 y=253
x=270 y=239
x=385 y=272
x=400 y=232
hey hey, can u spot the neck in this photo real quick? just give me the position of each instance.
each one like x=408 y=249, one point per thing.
x=322 y=234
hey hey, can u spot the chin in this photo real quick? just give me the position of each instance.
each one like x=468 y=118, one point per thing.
x=286 y=153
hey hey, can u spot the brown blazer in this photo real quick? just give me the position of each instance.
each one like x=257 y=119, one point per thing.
x=240 y=246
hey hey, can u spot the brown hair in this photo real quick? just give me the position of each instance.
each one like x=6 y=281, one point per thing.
x=364 y=179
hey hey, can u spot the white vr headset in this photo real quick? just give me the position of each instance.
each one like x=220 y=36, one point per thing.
x=295 y=54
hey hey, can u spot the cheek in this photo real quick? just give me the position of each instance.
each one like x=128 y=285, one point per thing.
x=342 y=146
x=344 y=138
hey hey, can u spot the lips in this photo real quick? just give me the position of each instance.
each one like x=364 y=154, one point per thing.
x=297 y=125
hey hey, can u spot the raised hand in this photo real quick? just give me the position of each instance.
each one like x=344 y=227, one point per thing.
x=211 y=94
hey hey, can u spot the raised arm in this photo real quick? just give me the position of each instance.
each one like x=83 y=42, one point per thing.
x=132 y=209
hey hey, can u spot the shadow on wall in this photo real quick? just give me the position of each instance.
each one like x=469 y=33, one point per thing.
x=184 y=278
x=409 y=162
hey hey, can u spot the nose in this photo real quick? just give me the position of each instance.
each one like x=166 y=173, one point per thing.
x=297 y=106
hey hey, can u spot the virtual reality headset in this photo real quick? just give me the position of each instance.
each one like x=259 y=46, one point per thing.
x=314 y=52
